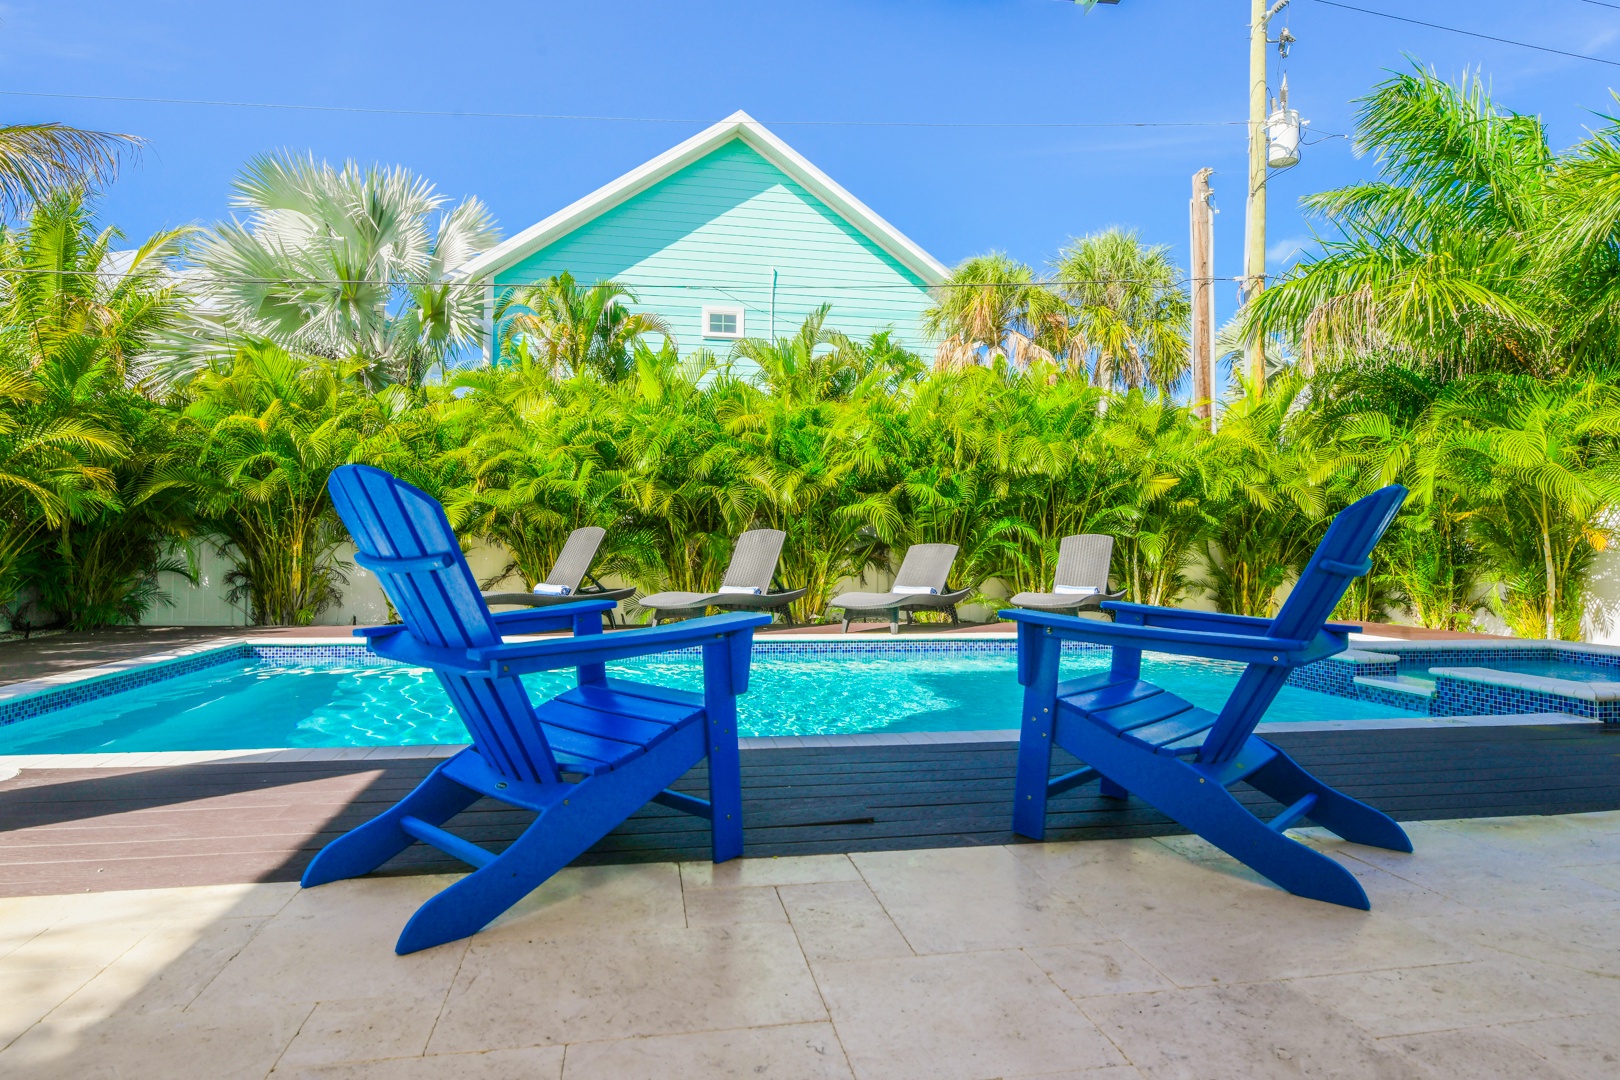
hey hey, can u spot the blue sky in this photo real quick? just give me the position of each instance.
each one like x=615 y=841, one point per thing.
x=955 y=190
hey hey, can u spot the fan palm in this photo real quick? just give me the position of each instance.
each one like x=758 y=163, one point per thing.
x=1129 y=309
x=984 y=310
x=342 y=264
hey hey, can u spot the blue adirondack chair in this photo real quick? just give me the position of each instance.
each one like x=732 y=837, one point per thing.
x=583 y=761
x=1135 y=737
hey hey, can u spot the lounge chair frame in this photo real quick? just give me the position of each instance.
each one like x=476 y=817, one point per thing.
x=572 y=568
x=754 y=560
x=1083 y=561
x=924 y=565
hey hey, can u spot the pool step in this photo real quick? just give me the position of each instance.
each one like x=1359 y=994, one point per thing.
x=1399 y=684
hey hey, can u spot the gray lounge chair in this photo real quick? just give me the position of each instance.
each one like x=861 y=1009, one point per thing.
x=925 y=567
x=746 y=587
x=562 y=585
x=1081 y=580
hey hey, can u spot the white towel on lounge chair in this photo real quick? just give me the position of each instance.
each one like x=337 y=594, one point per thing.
x=915 y=590
x=547 y=589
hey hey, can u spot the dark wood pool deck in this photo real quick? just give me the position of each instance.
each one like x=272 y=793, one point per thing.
x=78 y=830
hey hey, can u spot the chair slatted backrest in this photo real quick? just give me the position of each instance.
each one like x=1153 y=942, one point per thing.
x=575 y=558
x=753 y=560
x=402 y=535
x=1343 y=555
x=926 y=565
x=1083 y=561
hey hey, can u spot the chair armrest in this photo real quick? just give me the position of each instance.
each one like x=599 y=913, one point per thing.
x=1182 y=619
x=556 y=617
x=522 y=657
x=1244 y=646
x=1213 y=621
x=536 y=621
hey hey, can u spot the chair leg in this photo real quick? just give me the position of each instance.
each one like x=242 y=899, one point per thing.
x=1189 y=796
x=1037 y=727
x=363 y=849
x=894 y=620
x=846 y=626
x=1284 y=780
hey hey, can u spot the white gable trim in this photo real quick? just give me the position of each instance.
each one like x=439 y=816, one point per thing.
x=739 y=125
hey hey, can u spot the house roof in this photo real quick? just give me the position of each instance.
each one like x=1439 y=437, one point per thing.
x=739 y=125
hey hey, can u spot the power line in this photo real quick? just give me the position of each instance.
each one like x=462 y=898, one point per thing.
x=1473 y=34
x=476 y=114
x=187 y=277
x=1602 y=3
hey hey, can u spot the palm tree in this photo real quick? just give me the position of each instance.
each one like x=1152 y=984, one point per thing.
x=984 y=311
x=1439 y=263
x=92 y=480
x=1542 y=461
x=1129 y=309
x=569 y=330
x=270 y=428
x=342 y=264
x=35 y=159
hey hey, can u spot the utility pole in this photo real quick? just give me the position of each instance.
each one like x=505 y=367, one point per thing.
x=1202 y=243
x=1254 y=239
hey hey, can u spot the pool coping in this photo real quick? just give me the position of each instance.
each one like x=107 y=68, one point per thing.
x=12 y=763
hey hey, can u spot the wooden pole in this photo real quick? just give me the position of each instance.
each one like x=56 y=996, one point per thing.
x=1202 y=277
x=1254 y=242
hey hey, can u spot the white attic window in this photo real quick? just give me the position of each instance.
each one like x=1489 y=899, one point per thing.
x=723 y=322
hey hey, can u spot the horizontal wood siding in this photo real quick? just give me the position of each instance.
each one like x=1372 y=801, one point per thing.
x=712 y=233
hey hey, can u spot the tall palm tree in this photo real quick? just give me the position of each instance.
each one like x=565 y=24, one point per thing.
x=1439 y=263
x=36 y=158
x=570 y=330
x=984 y=311
x=342 y=263
x=1129 y=309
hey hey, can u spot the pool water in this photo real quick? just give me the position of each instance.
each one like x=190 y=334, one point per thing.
x=249 y=704
x=1550 y=669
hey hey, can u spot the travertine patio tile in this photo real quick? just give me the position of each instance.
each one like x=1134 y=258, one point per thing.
x=165 y=970
x=1477 y=1054
x=230 y=1043
x=793 y=1052
x=28 y=994
x=616 y=985
x=1586 y=938
x=1252 y=1032
x=1587 y=1046
x=529 y=1063
x=1475 y=994
x=792 y=870
x=963 y=1016
x=962 y=899
x=728 y=907
x=841 y=920
x=579 y=899
x=337 y=941
x=1106 y=967
x=1199 y=922
x=362 y=1029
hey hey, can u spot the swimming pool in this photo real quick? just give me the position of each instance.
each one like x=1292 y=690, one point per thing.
x=271 y=698
x=1547 y=669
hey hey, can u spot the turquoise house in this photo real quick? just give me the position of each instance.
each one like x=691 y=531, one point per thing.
x=731 y=234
